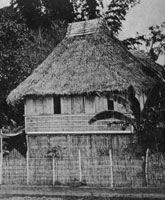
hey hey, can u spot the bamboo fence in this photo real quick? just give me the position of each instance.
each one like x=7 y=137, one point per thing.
x=110 y=170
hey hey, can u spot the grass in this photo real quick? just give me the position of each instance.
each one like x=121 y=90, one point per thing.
x=73 y=198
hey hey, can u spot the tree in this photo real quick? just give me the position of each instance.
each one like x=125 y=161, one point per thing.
x=58 y=10
x=30 y=10
x=21 y=51
x=89 y=9
x=17 y=142
x=116 y=13
x=42 y=12
x=153 y=43
x=148 y=123
x=13 y=37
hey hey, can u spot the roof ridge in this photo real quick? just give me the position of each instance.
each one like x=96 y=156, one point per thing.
x=83 y=27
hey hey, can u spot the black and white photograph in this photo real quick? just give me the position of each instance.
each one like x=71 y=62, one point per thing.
x=82 y=99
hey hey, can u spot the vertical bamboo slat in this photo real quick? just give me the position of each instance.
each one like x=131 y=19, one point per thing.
x=80 y=167
x=53 y=167
x=111 y=167
x=49 y=105
x=66 y=105
x=39 y=106
x=89 y=104
x=100 y=104
x=30 y=106
x=1 y=161
x=77 y=104
x=27 y=160
x=146 y=166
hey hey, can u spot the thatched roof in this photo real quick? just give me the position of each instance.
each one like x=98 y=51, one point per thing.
x=86 y=61
x=147 y=60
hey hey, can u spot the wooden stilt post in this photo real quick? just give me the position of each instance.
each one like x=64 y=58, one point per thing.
x=146 y=166
x=1 y=161
x=80 y=168
x=132 y=173
x=27 y=159
x=53 y=163
x=111 y=167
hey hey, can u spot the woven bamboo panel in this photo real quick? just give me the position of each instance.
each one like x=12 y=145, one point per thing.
x=68 y=123
x=96 y=145
x=95 y=170
x=156 y=169
x=40 y=171
x=14 y=171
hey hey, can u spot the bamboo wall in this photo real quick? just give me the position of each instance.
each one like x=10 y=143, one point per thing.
x=94 y=149
x=14 y=168
x=69 y=124
x=97 y=145
x=75 y=112
x=73 y=105
x=69 y=105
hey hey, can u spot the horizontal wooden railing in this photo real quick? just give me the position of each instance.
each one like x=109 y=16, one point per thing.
x=70 y=124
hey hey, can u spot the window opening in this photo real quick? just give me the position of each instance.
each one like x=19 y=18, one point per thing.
x=57 y=105
x=110 y=104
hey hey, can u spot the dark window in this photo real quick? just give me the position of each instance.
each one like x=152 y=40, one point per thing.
x=110 y=104
x=57 y=105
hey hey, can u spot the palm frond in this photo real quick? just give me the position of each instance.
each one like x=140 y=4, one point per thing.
x=160 y=103
x=111 y=114
x=134 y=104
x=153 y=96
x=161 y=114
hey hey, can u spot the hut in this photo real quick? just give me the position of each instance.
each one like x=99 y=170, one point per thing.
x=69 y=87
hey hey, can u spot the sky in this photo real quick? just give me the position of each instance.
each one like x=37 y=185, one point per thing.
x=4 y=3
x=143 y=15
x=139 y=18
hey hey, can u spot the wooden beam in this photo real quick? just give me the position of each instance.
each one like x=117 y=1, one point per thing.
x=78 y=132
x=27 y=161
x=67 y=115
x=80 y=167
x=1 y=161
x=111 y=167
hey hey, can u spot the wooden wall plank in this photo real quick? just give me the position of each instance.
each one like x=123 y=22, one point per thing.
x=30 y=106
x=66 y=105
x=45 y=112
x=48 y=105
x=39 y=106
x=77 y=103
x=100 y=104
x=89 y=104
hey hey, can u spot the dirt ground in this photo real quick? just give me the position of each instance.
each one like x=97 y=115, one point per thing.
x=79 y=193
